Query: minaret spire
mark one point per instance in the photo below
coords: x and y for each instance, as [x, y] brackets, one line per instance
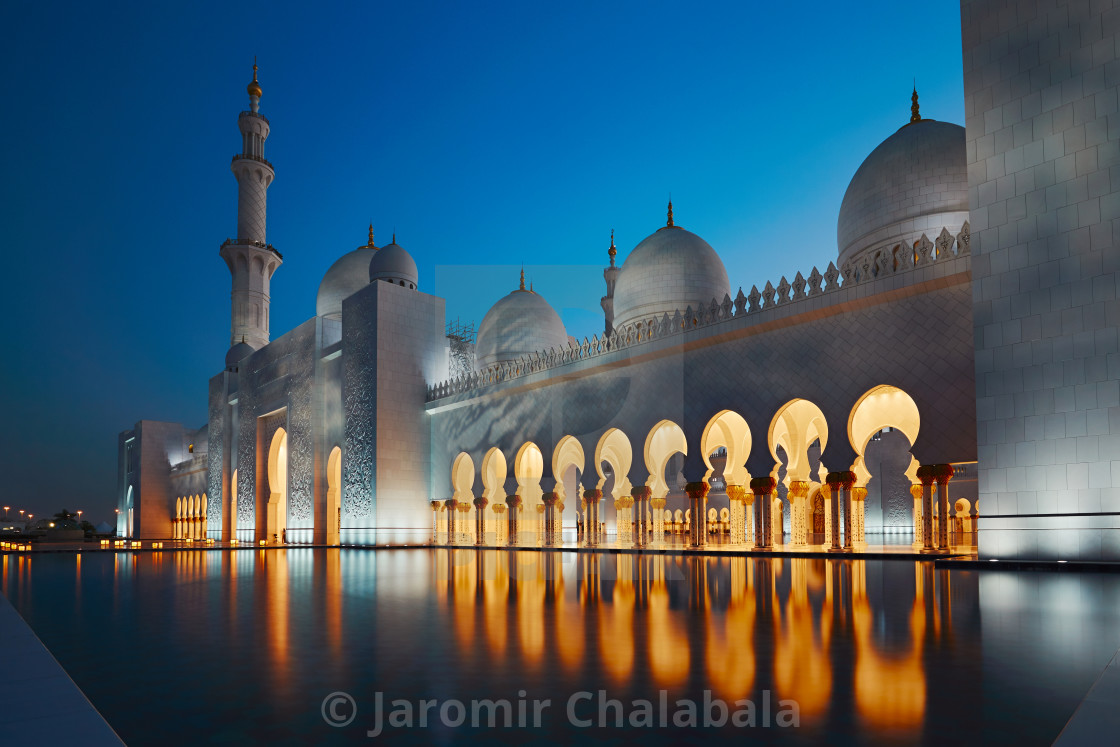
[612, 252]
[369, 243]
[669, 223]
[249, 257]
[914, 116]
[522, 278]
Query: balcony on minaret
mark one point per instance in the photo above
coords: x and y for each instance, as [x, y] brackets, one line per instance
[251, 242]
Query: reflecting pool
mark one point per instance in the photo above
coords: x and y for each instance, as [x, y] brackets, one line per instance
[226, 647]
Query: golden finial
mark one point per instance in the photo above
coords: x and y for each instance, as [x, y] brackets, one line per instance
[914, 116]
[394, 237]
[612, 251]
[530, 286]
[670, 221]
[254, 88]
[370, 242]
[522, 278]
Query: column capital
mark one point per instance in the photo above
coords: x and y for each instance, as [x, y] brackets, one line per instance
[551, 499]
[925, 474]
[513, 501]
[844, 479]
[859, 494]
[437, 505]
[697, 489]
[481, 503]
[657, 503]
[763, 485]
[498, 508]
[450, 504]
[798, 488]
[736, 492]
[942, 473]
[592, 494]
[641, 493]
[916, 491]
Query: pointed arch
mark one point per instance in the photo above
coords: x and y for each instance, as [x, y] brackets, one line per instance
[528, 469]
[880, 407]
[795, 426]
[333, 516]
[614, 449]
[462, 477]
[727, 430]
[567, 454]
[664, 440]
[494, 471]
[276, 516]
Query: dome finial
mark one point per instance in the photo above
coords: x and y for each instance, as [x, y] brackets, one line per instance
[612, 251]
[669, 223]
[914, 116]
[254, 88]
[394, 237]
[370, 242]
[522, 278]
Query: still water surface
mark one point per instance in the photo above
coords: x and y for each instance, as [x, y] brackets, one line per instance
[235, 647]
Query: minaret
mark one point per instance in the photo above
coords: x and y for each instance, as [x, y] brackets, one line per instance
[251, 260]
[611, 276]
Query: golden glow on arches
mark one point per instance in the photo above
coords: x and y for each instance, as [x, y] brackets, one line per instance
[568, 453]
[614, 449]
[882, 407]
[664, 440]
[494, 475]
[727, 430]
[802, 670]
[796, 425]
[334, 495]
[730, 646]
[528, 468]
[462, 477]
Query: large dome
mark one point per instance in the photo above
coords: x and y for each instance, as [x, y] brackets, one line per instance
[671, 269]
[348, 275]
[520, 324]
[393, 264]
[915, 182]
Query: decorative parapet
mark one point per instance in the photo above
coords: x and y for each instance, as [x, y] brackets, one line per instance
[866, 268]
[252, 242]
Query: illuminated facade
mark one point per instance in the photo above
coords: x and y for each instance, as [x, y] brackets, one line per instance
[821, 410]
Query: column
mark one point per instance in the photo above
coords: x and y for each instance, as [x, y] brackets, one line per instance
[798, 496]
[846, 484]
[591, 531]
[859, 495]
[834, 480]
[738, 496]
[925, 475]
[657, 510]
[449, 506]
[761, 487]
[943, 473]
[435, 521]
[826, 496]
[698, 502]
[480, 504]
[499, 510]
[513, 504]
[550, 533]
[641, 496]
[916, 494]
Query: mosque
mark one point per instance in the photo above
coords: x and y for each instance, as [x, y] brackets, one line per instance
[870, 396]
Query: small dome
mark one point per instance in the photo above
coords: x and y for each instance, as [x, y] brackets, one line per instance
[348, 275]
[915, 182]
[520, 324]
[670, 270]
[238, 353]
[254, 88]
[393, 264]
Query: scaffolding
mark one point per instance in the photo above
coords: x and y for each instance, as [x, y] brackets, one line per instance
[461, 337]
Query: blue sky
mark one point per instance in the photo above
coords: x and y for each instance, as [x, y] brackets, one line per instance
[486, 135]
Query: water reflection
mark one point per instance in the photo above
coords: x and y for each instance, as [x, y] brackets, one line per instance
[812, 630]
[872, 651]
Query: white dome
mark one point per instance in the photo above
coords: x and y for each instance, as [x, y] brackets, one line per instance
[671, 269]
[915, 182]
[348, 275]
[393, 264]
[520, 324]
[238, 353]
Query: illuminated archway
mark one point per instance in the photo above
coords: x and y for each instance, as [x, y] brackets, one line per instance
[568, 463]
[494, 471]
[795, 427]
[528, 469]
[879, 408]
[128, 512]
[614, 450]
[233, 506]
[664, 440]
[334, 497]
[276, 516]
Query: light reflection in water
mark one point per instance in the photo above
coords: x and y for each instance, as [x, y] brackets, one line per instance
[870, 650]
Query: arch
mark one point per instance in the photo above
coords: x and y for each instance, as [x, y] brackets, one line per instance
[796, 425]
[664, 440]
[567, 454]
[276, 516]
[334, 496]
[884, 406]
[528, 468]
[494, 471]
[727, 430]
[233, 506]
[258, 266]
[614, 449]
[462, 477]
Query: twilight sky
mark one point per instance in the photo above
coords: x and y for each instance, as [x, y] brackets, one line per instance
[486, 135]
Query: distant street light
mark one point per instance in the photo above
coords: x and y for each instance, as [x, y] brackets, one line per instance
[79, 516]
